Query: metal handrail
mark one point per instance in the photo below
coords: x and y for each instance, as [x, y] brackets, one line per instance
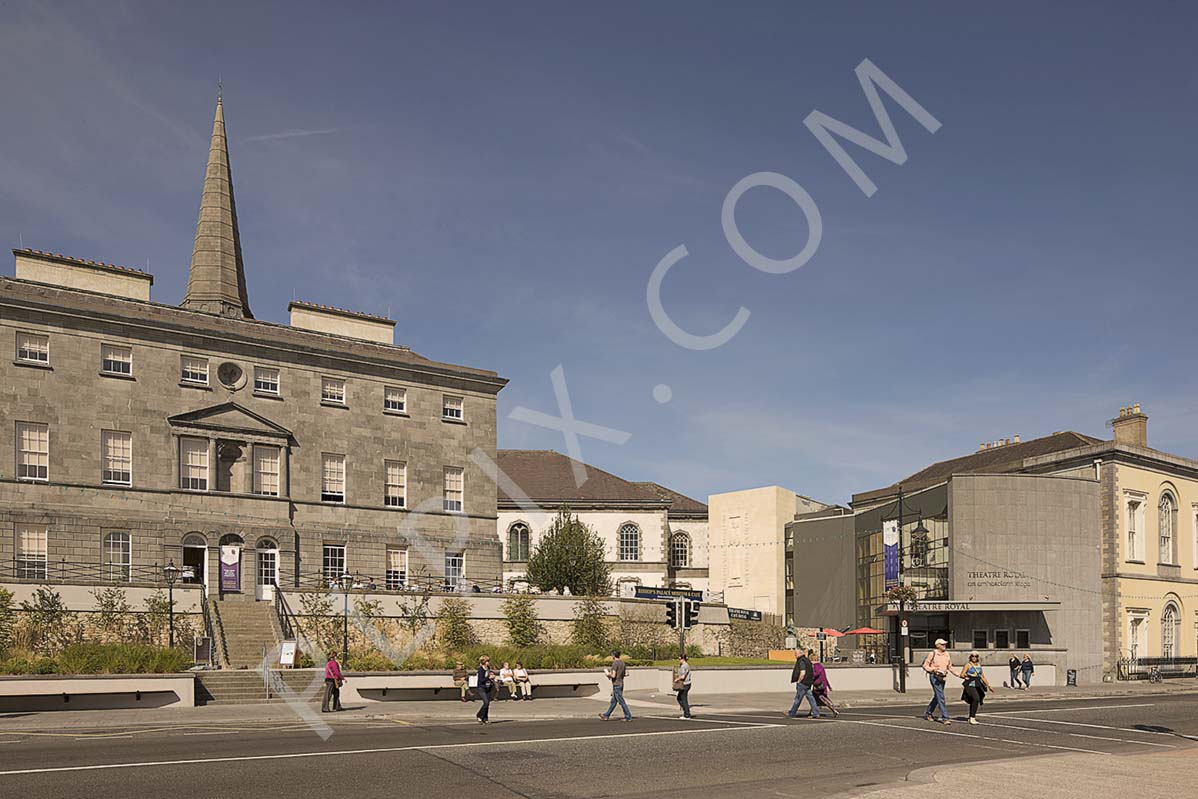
[208, 630]
[25, 568]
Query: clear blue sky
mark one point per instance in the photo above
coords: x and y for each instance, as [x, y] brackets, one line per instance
[504, 177]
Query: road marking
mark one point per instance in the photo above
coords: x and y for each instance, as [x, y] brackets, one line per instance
[969, 735]
[707, 720]
[1093, 726]
[1069, 709]
[214, 732]
[380, 750]
[1074, 734]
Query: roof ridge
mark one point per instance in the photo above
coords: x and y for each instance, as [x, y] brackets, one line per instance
[334, 308]
[81, 261]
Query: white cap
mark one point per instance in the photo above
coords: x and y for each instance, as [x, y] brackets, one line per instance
[940, 641]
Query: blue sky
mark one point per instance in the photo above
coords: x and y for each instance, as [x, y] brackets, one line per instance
[502, 179]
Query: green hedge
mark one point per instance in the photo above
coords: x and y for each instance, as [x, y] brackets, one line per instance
[102, 659]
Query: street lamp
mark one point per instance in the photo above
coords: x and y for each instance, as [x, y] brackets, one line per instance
[171, 573]
[346, 580]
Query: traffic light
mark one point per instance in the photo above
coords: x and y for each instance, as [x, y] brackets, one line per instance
[691, 614]
[672, 614]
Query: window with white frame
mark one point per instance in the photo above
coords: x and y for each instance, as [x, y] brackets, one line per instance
[1170, 631]
[1167, 525]
[33, 348]
[395, 474]
[332, 389]
[116, 455]
[629, 542]
[454, 489]
[194, 370]
[518, 541]
[33, 451]
[266, 380]
[193, 464]
[451, 407]
[1135, 527]
[396, 578]
[116, 360]
[332, 478]
[266, 470]
[31, 551]
[455, 570]
[333, 564]
[117, 557]
[680, 550]
[395, 399]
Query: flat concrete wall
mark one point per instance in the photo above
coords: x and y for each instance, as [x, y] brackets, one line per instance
[79, 597]
[95, 692]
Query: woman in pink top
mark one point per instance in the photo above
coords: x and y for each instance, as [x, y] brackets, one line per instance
[332, 684]
[822, 687]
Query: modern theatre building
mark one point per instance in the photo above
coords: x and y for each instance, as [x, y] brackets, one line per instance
[138, 433]
[1079, 550]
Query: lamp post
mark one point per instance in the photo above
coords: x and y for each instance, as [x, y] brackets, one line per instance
[347, 582]
[900, 646]
[171, 573]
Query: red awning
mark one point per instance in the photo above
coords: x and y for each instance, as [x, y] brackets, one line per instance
[831, 632]
[865, 631]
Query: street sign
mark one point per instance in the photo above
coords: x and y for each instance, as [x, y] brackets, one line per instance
[903, 630]
[652, 592]
[740, 614]
[821, 636]
[287, 654]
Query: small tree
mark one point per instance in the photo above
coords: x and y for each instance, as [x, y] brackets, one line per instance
[570, 555]
[8, 621]
[48, 621]
[153, 622]
[112, 617]
[590, 628]
[520, 616]
[453, 625]
[415, 613]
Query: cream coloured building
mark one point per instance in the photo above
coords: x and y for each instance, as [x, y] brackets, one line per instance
[654, 536]
[747, 550]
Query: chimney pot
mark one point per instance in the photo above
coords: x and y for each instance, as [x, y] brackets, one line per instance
[1137, 408]
[1016, 439]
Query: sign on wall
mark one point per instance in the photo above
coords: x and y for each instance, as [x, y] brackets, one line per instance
[230, 569]
[651, 592]
[890, 552]
[740, 614]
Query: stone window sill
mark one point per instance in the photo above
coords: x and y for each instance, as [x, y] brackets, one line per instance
[401, 414]
[32, 364]
[329, 404]
[1136, 562]
[198, 386]
[447, 420]
[270, 395]
[118, 376]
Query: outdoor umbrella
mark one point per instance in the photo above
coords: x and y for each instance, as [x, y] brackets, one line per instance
[832, 633]
[865, 631]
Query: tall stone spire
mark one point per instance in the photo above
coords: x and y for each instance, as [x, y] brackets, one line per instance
[216, 283]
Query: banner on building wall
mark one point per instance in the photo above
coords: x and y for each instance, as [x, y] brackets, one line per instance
[890, 552]
[230, 569]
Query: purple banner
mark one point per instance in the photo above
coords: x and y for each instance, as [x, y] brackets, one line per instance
[230, 569]
[890, 552]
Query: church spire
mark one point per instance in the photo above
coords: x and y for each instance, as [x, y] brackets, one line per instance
[216, 283]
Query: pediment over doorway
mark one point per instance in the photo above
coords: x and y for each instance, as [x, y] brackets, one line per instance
[231, 418]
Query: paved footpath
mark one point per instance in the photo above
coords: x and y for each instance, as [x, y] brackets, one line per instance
[557, 749]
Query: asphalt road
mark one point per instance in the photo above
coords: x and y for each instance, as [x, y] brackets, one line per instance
[714, 756]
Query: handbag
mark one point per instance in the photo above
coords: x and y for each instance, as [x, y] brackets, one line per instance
[679, 684]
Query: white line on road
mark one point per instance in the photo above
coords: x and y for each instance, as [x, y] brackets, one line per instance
[380, 750]
[711, 721]
[970, 735]
[1068, 709]
[1092, 726]
[1074, 734]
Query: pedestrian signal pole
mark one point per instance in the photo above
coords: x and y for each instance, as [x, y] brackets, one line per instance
[680, 606]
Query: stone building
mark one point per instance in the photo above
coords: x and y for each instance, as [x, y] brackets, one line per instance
[1081, 550]
[247, 451]
[654, 536]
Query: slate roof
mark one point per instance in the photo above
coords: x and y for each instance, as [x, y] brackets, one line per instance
[1007, 458]
[680, 504]
[547, 478]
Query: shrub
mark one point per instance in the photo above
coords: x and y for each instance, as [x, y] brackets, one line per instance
[48, 621]
[454, 631]
[520, 618]
[102, 659]
[8, 622]
[112, 617]
[589, 629]
[368, 660]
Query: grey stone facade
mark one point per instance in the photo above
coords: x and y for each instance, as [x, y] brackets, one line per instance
[76, 400]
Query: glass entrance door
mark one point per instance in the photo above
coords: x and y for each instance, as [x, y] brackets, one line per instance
[267, 571]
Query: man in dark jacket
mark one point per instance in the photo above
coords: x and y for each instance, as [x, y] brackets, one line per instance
[1013, 664]
[803, 676]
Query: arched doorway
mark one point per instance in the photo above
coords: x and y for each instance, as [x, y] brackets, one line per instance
[195, 559]
[231, 546]
[266, 569]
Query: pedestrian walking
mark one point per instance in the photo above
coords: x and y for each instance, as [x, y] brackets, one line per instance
[332, 685]
[1027, 669]
[976, 686]
[803, 676]
[485, 684]
[682, 685]
[821, 688]
[1014, 664]
[615, 673]
[938, 665]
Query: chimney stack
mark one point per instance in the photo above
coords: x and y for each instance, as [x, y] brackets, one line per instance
[1131, 427]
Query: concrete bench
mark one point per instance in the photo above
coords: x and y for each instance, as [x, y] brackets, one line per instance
[95, 692]
[417, 686]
